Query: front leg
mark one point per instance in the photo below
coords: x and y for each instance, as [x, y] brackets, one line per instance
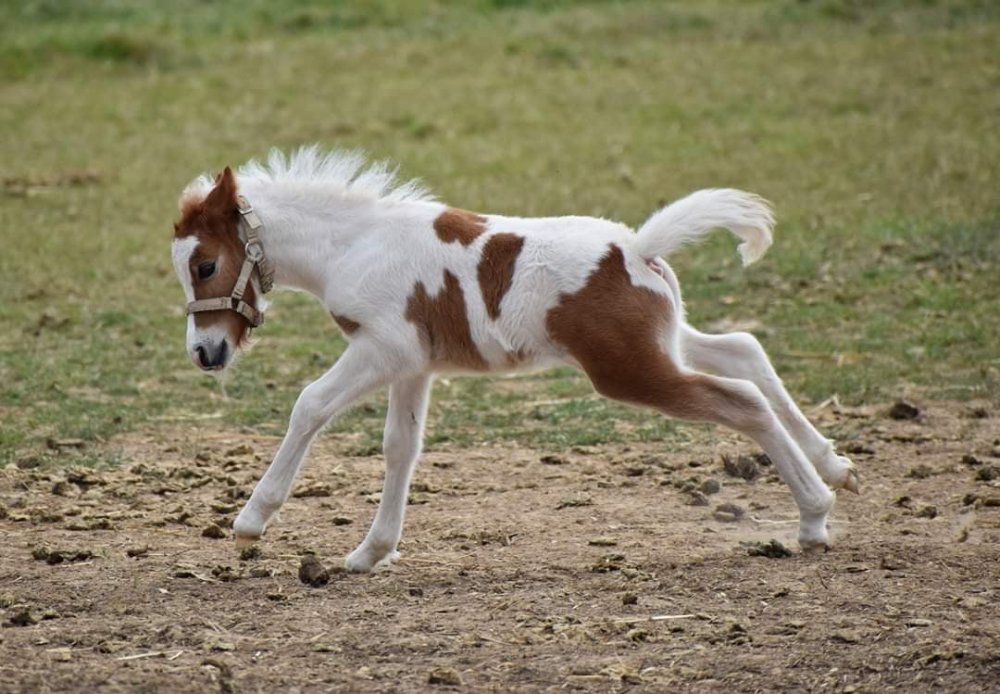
[404, 429]
[357, 373]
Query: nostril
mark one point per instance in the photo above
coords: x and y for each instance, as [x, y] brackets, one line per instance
[202, 356]
[222, 354]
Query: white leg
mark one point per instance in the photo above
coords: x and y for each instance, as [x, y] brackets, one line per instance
[404, 428]
[740, 405]
[740, 355]
[358, 372]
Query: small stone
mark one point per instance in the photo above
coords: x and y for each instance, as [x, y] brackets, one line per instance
[603, 541]
[260, 572]
[902, 410]
[137, 551]
[226, 574]
[608, 563]
[242, 449]
[891, 564]
[858, 448]
[312, 572]
[638, 635]
[630, 599]
[62, 655]
[987, 473]
[845, 636]
[316, 489]
[28, 462]
[446, 676]
[552, 460]
[63, 488]
[416, 592]
[212, 644]
[728, 513]
[920, 472]
[927, 512]
[22, 618]
[341, 520]
[696, 498]
[214, 532]
[971, 460]
[710, 486]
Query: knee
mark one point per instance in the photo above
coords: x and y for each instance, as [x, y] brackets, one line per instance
[743, 403]
[308, 414]
[746, 344]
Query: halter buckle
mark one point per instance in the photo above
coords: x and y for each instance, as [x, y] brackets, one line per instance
[254, 251]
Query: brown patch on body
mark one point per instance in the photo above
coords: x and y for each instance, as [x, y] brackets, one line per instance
[215, 220]
[496, 269]
[443, 325]
[346, 324]
[459, 225]
[614, 329]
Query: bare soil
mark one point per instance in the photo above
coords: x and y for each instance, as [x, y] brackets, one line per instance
[590, 570]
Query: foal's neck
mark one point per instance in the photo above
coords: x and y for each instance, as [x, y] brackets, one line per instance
[307, 228]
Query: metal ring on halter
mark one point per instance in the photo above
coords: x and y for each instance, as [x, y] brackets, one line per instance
[254, 251]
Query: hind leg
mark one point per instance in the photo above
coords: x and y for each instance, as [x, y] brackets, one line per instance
[737, 404]
[740, 355]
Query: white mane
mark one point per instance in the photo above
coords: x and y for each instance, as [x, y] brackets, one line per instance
[343, 172]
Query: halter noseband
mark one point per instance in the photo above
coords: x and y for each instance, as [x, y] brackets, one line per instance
[254, 257]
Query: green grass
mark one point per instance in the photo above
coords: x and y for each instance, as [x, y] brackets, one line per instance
[872, 129]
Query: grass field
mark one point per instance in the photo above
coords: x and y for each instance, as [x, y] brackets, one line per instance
[873, 131]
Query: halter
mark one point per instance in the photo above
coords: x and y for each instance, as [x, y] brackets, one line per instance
[254, 258]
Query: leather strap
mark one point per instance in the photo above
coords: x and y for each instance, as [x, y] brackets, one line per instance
[253, 258]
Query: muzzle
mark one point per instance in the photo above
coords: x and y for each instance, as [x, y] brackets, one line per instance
[253, 260]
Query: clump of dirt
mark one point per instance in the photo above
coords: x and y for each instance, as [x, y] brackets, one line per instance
[312, 572]
[771, 549]
[902, 410]
[742, 466]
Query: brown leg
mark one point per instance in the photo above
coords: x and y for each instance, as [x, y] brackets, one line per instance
[734, 403]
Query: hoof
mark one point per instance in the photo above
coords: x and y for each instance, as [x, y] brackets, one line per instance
[814, 548]
[851, 483]
[362, 561]
[848, 475]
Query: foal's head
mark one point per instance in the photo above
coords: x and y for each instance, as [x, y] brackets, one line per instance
[208, 255]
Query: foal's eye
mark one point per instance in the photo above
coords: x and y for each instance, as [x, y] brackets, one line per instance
[206, 270]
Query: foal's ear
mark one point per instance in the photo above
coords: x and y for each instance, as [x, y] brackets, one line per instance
[222, 198]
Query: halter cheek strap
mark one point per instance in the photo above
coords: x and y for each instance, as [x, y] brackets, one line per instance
[253, 258]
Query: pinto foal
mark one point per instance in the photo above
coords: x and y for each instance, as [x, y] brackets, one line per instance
[419, 288]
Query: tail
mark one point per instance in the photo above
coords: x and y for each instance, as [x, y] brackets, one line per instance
[688, 219]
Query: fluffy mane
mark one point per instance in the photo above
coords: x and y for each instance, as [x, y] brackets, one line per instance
[344, 172]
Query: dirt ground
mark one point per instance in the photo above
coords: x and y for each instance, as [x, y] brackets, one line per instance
[597, 569]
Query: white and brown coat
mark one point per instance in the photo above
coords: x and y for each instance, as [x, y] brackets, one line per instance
[420, 288]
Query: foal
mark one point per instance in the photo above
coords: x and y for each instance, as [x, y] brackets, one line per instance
[420, 288]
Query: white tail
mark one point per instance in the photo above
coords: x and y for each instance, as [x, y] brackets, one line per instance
[688, 219]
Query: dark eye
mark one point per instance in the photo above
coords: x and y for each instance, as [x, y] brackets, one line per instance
[206, 270]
